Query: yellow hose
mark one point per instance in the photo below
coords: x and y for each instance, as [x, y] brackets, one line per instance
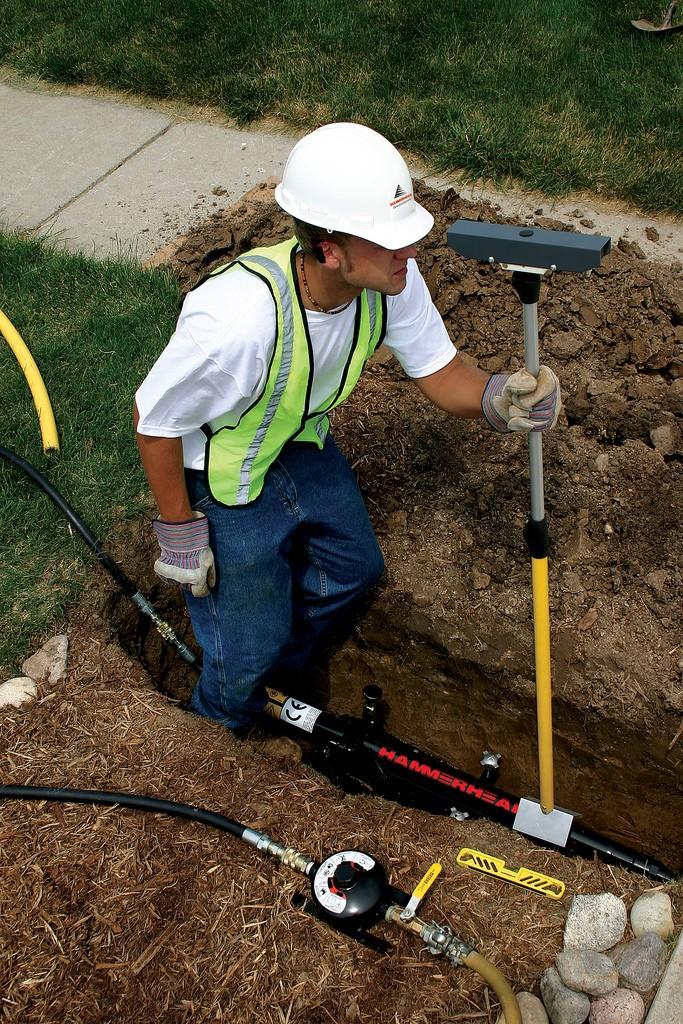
[544, 713]
[441, 939]
[41, 400]
[498, 982]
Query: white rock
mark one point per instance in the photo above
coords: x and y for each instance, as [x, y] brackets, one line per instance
[531, 1009]
[651, 912]
[595, 922]
[666, 438]
[48, 665]
[17, 691]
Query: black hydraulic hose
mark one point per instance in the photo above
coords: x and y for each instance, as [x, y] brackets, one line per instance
[131, 800]
[112, 567]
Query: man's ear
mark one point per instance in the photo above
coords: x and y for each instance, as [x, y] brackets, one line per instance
[328, 253]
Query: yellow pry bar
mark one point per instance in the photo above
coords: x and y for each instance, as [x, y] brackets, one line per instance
[553, 888]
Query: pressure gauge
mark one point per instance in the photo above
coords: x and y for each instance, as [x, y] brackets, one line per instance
[349, 884]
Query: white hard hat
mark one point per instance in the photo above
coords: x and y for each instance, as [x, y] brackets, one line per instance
[346, 177]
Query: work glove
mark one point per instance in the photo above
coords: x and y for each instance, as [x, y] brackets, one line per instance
[186, 557]
[521, 402]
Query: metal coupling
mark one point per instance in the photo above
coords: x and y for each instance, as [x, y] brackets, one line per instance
[396, 915]
[441, 940]
[287, 854]
[295, 860]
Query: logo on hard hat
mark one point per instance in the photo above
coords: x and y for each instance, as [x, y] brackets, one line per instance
[400, 196]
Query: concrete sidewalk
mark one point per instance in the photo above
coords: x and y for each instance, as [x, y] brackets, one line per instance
[108, 178]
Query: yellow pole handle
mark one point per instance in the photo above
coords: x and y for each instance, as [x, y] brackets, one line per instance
[544, 712]
[41, 400]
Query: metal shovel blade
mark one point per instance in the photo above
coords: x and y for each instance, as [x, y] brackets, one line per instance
[551, 826]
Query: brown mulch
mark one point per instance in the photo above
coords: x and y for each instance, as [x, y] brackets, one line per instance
[114, 915]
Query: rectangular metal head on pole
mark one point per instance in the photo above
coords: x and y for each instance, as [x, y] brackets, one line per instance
[527, 246]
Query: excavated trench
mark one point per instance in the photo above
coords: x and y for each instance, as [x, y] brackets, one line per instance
[620, 782]
[449, 637]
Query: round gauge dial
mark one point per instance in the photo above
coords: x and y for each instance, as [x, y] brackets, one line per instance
[349, 883]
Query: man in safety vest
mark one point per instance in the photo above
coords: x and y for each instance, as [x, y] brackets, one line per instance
[260, 517]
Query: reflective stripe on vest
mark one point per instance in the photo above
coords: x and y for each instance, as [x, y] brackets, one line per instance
[240, 452]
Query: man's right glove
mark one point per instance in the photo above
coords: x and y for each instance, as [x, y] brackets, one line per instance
[521, 402]
[186, 557]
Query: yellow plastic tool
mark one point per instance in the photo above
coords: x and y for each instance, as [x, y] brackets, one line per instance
[527, 878]
[41, 399]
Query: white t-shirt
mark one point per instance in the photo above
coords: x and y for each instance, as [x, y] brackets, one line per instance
[217, 360]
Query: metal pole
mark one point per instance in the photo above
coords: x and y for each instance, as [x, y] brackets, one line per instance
[532, 363]
[539, 582]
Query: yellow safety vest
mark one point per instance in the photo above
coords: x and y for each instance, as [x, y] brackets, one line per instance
[239, 452]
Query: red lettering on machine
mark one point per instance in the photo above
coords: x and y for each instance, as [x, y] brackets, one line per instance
[428, 771]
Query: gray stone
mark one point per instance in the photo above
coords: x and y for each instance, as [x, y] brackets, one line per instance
[563, 1005]
[620, 1007]
[640, 963]
[666, 1005]
[530, 1007]
[651, 912]
[17, 691]
[48, 665]
[586, 970]
[595, 922]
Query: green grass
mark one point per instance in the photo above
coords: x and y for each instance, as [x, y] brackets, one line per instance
[94, 329]
[560, 94]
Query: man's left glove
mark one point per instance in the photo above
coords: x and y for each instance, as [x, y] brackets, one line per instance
[186, 557]
[521, 402]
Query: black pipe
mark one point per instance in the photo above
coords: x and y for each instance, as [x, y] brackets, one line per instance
[131, 800]
[112, 567]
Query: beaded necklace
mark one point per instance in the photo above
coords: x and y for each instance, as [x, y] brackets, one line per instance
[314, 302]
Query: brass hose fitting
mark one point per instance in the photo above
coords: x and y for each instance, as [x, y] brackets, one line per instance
[287, 854]
[441, 940]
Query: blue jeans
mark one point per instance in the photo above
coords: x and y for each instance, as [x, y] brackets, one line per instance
[289, 565]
